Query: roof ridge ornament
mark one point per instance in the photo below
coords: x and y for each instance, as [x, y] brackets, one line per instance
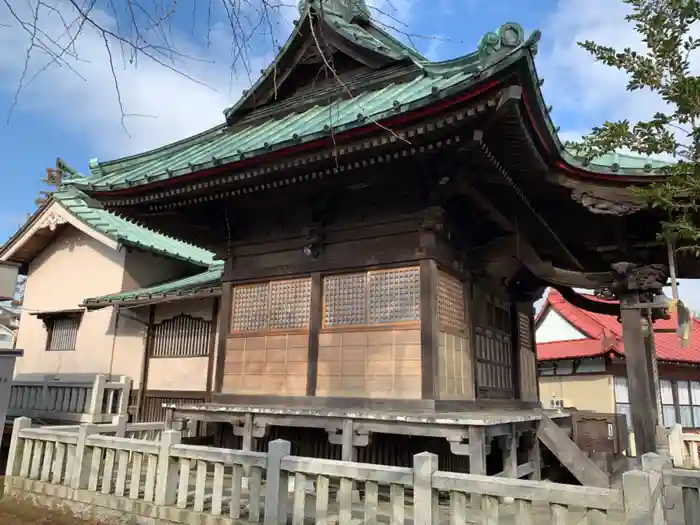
[508, 37]
[352, 11]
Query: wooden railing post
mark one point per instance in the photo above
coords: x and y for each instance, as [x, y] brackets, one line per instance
[424, 497]
[14, 455]
[80, 472]
[641, 492]
[167, 475]
[276, 489]
[96, 398]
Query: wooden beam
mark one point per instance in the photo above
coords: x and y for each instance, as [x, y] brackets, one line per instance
[639, 376]
[569, 454]
[146, 358]
[212, 346]
[428, 327]
[316, 309]
[225, 311]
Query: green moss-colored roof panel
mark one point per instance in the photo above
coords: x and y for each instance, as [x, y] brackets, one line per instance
[224, 144]
[221, 145]
[180, 288]
[127, 232]
[290, 123]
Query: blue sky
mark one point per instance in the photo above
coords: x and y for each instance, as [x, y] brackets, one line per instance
[72, 110]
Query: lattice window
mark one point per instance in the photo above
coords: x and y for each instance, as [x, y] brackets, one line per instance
[494, 351]
[290, 303]
[63, 333]
[394, 296]
[345, 299]
[181, 336]
[277, 305]
[451, 302]
[376, 297]
[250, 304]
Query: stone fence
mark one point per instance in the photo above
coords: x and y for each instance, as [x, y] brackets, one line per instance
[96, 399]
[121, 480]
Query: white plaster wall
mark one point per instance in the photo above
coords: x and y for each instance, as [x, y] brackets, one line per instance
[553, 327]
[72, 268]
[173, 373]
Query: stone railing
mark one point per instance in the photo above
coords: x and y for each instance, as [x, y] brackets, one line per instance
[684, 448]
[97, 400]
[165, 480]
[142, 431]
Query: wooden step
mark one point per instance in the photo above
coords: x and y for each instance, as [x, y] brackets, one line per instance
[570, 455]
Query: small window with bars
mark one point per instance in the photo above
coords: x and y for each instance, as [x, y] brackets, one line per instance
[181, 336]
[62, 332]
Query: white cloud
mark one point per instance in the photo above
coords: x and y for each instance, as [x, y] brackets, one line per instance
[163, 104]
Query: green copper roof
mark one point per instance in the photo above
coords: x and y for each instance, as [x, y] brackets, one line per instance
[350, 21]
[209, 281]
[127, 232]
[298, 120]
[252, 137]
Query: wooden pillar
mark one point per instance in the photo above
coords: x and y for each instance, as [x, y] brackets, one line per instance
[509, 451]
[428, 327]
[653, 368]
[211, 364]
[348, 452]
[477, 450]
[639, 375]
[515, 349]
[147, 351]
[225, 311]
[534, 455]
[315, 322]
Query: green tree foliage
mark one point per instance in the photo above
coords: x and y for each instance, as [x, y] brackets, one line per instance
[665, 69]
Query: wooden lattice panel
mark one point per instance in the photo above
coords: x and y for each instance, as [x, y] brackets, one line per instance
[494, 364]
[250, 308]
[451, 302]
[345, 299]
[290, 303]
[394, 296]
[181, 336]
[524, 334]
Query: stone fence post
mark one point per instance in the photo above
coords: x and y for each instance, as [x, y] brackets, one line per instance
[425, 511]
[276, 488]
[97, 395]
[80, 473]
[643, 492]
[14, 456]
[675, 445]
[167, 475]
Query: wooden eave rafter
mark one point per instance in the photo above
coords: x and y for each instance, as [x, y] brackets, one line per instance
[402, 141]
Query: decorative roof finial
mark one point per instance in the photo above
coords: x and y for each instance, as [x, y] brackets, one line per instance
[508, 37]
[353, 11]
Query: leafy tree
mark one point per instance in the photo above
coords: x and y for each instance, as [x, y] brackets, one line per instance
[665, 69]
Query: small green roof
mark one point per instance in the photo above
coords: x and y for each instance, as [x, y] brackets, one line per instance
[199, 284]
[127, 232]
